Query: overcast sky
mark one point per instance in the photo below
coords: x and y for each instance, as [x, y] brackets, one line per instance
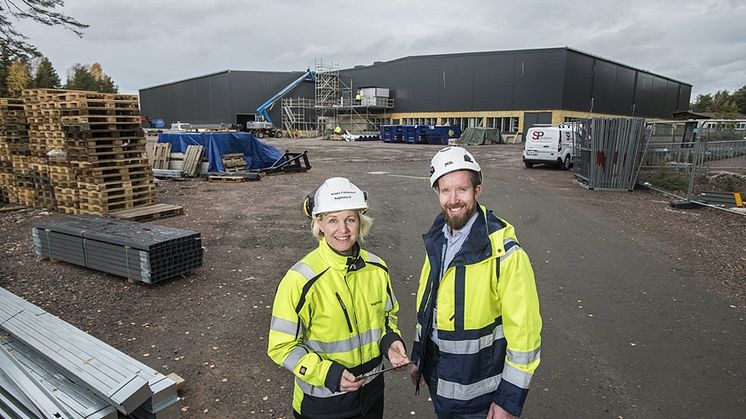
[145, 43]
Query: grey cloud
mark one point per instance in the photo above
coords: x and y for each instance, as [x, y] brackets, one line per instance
[143, 43]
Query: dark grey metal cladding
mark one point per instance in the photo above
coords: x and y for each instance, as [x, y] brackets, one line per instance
[217, 98]
[553, 78]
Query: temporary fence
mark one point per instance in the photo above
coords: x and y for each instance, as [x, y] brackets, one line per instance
[690, 162]
[607, 152]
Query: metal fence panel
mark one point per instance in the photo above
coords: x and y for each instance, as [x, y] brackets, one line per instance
[686, 162]
[607, 154]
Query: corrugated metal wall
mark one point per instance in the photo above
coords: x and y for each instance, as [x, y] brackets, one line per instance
[525, 80]
[558, 78]
[217, 98]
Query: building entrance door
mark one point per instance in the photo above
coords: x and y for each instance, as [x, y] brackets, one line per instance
[531, 119]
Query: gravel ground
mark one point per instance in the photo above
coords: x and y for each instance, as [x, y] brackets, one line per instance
[200, 325]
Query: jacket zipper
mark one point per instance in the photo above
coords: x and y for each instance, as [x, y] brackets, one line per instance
[344, 309]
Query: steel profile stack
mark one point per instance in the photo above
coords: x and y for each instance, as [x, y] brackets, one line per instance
[49, 364]
[139, 251]
[72, 399]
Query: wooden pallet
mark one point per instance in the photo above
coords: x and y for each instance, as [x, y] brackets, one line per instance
[161, 155]
[150, 212]
[192, 160]
[233, 162]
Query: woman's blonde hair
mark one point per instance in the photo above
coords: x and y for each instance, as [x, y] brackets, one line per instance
[365, 224]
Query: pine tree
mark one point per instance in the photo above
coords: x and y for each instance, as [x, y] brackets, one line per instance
[79, 78]
[46, 76]
[18, 77]
[5, 62]
[739, 96]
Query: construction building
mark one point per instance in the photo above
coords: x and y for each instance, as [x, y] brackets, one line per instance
[509, 90]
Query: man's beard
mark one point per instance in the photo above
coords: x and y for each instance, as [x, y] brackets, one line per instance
[457, 222]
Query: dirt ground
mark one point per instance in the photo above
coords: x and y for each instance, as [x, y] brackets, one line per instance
[210, 326]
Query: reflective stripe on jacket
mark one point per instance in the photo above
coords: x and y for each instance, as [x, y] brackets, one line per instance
[488, 318]
[332, 313]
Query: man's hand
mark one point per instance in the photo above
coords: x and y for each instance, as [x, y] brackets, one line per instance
[397, 354]
[349, 382]
[497, 412]
[413, 374]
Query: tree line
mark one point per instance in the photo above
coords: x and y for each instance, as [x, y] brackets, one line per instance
[19, 73]
[722, 103]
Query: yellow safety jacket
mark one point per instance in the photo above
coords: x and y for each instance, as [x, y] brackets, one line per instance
[331, 313]
[488, 323]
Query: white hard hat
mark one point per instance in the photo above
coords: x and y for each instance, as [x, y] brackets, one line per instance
[451, 159]
[335, 194]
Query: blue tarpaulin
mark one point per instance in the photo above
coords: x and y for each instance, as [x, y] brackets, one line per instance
[257, 154]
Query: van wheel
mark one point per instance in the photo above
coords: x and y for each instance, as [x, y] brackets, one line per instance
[566, 164]
[259, 134]
[529, 165]
[278, 134]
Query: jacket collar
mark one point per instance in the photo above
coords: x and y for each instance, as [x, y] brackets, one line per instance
[341, 262]
[477, 246]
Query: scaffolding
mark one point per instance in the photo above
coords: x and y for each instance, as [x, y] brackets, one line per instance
[328, 99]
[299, 117]
[335, 104]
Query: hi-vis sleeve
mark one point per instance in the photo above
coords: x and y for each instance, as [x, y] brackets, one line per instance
[391, 320]
[285, 346]
[521, 326]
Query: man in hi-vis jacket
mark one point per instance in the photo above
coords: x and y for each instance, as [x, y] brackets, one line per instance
[477, 342]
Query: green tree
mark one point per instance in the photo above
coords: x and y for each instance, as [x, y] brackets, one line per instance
[5, 62]
[46, 76]
[739, 96]
[40, 11]
[18, 78]
[702, 103]
[81, 77]
[105, 82]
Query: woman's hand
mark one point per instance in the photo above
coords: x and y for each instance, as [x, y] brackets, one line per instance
[397, 354]
[349, 382]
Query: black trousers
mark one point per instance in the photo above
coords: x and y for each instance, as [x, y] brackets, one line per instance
[376, 412]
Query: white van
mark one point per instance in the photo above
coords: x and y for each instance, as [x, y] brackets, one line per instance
[549, 145]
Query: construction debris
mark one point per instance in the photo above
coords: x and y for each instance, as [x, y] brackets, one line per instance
[151, 212]
[49, 368]
[287, 163]
[234, 177]
[137, 251]
[168, 173]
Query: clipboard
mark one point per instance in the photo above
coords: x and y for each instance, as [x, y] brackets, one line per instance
[374, 372]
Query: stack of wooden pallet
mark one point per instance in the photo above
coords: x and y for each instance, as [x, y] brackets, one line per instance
[13, 142]
[86, 153]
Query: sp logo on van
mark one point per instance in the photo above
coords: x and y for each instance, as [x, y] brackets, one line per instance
[537, 134]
